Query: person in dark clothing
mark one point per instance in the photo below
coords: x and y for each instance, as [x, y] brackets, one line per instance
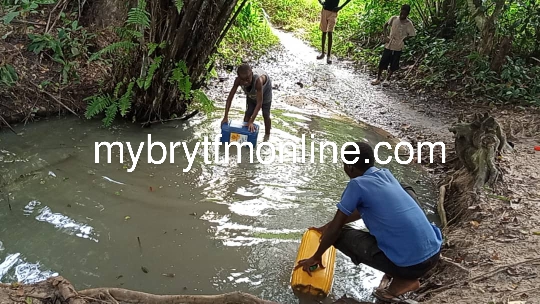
[401, 29]
[329, 13]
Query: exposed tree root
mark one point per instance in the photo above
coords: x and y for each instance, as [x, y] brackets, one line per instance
[479, 277]
[59, 290]
[478, 144]
[117, 295]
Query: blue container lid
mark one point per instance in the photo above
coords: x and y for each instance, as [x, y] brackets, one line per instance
[239, 125]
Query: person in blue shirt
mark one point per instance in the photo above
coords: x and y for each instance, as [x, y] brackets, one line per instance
[401, 241]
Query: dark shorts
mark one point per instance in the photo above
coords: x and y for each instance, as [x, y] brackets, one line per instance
[390, 58]
[362, 248]
[250, 107]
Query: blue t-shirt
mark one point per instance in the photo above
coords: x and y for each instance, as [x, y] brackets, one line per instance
[392, 216]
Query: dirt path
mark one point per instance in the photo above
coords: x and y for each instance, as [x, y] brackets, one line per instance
[504, 227]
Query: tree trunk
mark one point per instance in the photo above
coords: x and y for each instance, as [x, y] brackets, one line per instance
[477, 145]
[447, 19]
[499, 58]
[191, 36]
[105, 13]
[536, 52]
[173, 42]
[487, 35]
[486, 24]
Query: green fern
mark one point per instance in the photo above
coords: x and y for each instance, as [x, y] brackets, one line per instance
[128, 34]
[203, 101]
[110, 114]
[138, 16]
[181, 78]
[124, 103]
[152, 47]
[117, 89]
[151, 72]
[97, 105]
[110, 105]
[126, 45]
[179, 5]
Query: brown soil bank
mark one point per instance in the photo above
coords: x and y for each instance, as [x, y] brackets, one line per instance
[489, 196]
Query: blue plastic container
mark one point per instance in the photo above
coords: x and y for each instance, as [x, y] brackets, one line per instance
[238, 132]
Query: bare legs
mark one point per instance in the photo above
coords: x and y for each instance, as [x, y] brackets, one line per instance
[379, 77]
[329, 61]
[267, 125]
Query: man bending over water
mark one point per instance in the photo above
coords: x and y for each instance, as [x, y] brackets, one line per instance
[401, 242]
[257, 86]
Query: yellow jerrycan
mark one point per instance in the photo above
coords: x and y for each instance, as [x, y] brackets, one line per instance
[320, 283]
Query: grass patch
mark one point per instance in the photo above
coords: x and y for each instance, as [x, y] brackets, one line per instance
[249, 37]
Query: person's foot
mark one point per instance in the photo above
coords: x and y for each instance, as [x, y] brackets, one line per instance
[385, 296]
[329, 61]
[384, 281]
[376, 82]
[386, 83]
[395, 292]
[321, 56]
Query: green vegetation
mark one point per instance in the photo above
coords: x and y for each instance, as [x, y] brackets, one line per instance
[8, 75]
[470, 49]
[67, 44]
[250, 36]
[52, 35]
[452, 52]
[120, 102]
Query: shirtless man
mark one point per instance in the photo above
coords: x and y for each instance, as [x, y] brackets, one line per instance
[257, 86]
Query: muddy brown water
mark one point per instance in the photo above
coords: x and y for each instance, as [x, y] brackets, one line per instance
[218, 227]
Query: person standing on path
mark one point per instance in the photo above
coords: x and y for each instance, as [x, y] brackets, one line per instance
[257, 86]
[329, 13]
[401, 28]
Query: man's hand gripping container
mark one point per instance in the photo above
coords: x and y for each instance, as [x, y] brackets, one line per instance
[320, 283]
[238, 132]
